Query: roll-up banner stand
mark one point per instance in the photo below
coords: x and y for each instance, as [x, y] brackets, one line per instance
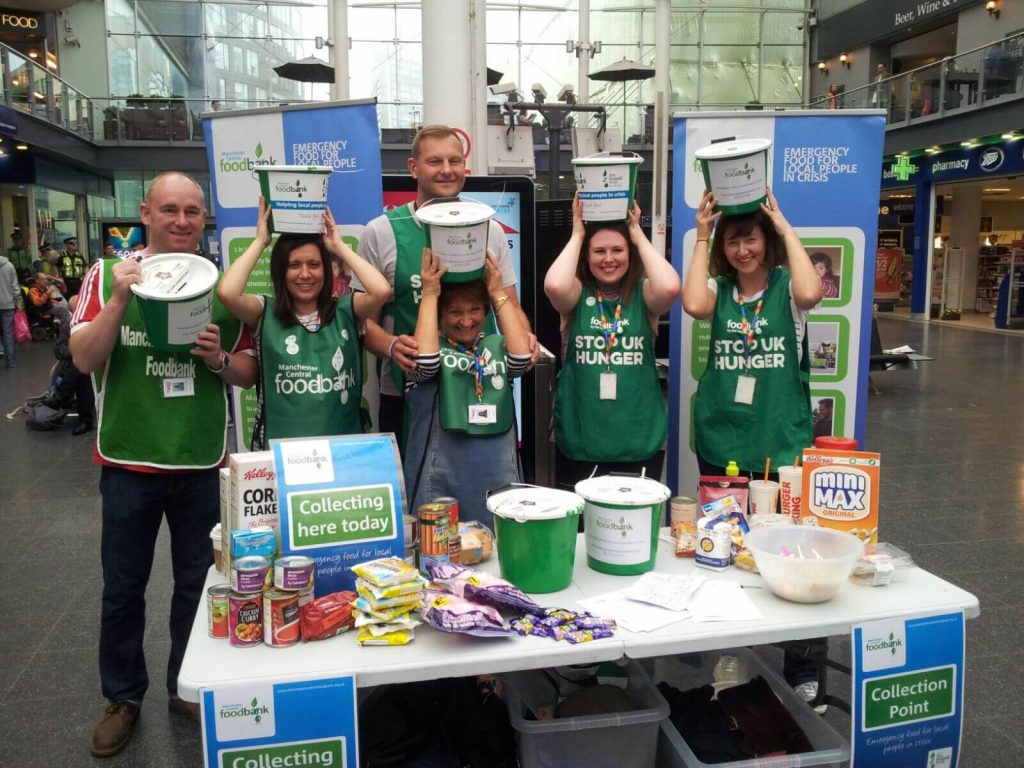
[825, 170]
[342, 135]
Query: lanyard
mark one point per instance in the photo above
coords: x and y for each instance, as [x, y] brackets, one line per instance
[609, 330]
[478, 364]
[745, 326]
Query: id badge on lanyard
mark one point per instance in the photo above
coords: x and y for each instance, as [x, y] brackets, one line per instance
[745, 383]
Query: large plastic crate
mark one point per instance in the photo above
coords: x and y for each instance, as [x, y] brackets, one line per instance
[695, 670]
[622, 740]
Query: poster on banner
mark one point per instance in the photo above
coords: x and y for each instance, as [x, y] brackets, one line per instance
[266, 724]
[824, 169]
[340, 501]
[908, 692]
[342, 135]
[888, 266]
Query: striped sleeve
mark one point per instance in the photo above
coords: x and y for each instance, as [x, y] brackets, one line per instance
[517, 364]
[427, 368]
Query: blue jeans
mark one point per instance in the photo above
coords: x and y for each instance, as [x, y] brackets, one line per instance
[134, 505]
[7, 331]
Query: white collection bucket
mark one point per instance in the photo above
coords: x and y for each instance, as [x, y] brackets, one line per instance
[296, 194]
[606, 183]
[457, 235]
[621, 521]
[736, 170]
[175, 298]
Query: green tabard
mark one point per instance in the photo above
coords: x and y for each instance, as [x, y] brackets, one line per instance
[458, 388]
[410, 240]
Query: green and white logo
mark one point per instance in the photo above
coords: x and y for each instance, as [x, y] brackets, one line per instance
[253, 710]
[909, 698]
[341, 516]
[325, 753]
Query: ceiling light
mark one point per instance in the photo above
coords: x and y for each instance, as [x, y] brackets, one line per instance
[22, 147]
[996, 190]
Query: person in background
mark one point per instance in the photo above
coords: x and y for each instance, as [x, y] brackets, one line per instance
[10, 301]
[72, 265]
[108, 251]
[609, 286]
[46, 297]
[823, 267]
[161, 439]
[303, 325]
[881, 90]
[462, 437]
[756, 284]
[833, 96]
[19, 255]
[48, 264]
[393, 243]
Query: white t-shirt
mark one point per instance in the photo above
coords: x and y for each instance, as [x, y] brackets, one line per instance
[799, 315]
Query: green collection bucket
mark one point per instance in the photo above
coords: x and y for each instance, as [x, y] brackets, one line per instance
[296, 194]
[621, 520]
[606, 183]
[536, 531]
[736, 170]
[457, 234]
[175, 299]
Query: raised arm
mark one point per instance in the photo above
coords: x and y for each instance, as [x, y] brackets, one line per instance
[515, 331]
[661, 289]
[91, 343]
[231, 289]
[698, 299]
[367, 305]
[560, 283]
[431, 272]
[804, 281]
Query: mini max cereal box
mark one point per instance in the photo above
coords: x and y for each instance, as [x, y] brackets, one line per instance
[840, 490]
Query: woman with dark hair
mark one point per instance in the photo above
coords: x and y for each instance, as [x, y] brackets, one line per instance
[823, 267]
[609, 286]
[756, 285]
[307, 342]
[462, 436]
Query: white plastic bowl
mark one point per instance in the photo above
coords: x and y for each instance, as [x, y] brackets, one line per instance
[819, 560]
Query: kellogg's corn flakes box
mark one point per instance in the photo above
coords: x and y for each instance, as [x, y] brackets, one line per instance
[840, 490]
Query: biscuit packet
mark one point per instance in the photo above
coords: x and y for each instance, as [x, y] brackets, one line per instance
[714, 487]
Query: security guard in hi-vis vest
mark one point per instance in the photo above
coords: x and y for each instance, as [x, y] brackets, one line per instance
[462, 437]
[73, 265]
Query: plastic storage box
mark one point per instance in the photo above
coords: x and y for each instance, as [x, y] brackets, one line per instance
[621, 740]
[695, 670]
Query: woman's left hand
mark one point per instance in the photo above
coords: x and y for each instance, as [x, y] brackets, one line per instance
[771, 210]
[208, 347]
[633, 219]
[492, 276]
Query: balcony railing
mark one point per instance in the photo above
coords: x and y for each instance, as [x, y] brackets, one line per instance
[30, 87]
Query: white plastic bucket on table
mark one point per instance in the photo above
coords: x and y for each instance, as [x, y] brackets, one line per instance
[457, 235]
[621, 520]
[736, 170]
[296, 194]
[175, 298]
[606, 183]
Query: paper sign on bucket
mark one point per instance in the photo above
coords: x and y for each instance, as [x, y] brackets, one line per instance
[296, 194]
[606, 183]
[175, 298]
[457, 235]
[736, 170]
[621, 521]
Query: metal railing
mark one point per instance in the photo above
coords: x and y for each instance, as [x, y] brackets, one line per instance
[30, 87]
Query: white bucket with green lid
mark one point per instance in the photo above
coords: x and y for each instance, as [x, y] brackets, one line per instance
[536, 532]
[736, 170]
[296, 194]
[175, 298]
[606, 183]
[457, 235]
[621, 519]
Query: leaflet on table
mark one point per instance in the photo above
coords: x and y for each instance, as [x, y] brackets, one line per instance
[341, 501]
[908, 692]
[309, 722]
[840, 490]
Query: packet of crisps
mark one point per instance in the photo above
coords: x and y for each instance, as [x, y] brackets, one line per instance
[480, 587]
[386, 571]
[449, 613]
[398, 637]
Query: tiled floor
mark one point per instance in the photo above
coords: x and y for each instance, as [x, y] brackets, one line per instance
[952, 495]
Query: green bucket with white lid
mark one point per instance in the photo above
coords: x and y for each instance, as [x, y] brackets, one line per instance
[296, 195]
[456, 233]
[606, 183]
[736, 171]
[621, 519]
[175, 298]
[536, 532]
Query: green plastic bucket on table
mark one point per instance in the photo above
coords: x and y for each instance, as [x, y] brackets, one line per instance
[536, 531]
[296, 194]
[736, 170]
[621, 520]
[175, 298]
[457, 234]
[606, 183]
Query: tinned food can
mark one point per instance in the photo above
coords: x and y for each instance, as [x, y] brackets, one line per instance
[217, 610]
[454, 540]
[280, 618]
[293, 573]
[245, 620]
[434, 532]
[249, 574]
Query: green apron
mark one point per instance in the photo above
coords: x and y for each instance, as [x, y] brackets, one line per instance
[410, 240]
[458, 387]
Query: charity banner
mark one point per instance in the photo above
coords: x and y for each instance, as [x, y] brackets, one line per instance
[340, 501]
[824, 169]
[908, 692]
[342, 135]
[266, 724]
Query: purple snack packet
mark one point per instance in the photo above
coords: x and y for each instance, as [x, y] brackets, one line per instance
[593, 622]
[449, 613]
[481, 587]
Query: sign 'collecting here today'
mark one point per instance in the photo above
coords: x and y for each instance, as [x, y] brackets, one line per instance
[341, 501]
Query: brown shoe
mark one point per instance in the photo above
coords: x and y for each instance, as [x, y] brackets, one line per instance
[114, 729]
[188, 708]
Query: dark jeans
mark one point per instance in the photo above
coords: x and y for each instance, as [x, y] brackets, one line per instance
[391, 417]
[134, 505]
[7, 334]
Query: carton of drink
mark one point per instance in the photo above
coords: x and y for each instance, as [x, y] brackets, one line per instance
[840, 490]
[252, 496]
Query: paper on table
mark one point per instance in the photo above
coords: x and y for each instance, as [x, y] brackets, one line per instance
[629, 614]
[906, 349]
[723, 601]
[672, 591]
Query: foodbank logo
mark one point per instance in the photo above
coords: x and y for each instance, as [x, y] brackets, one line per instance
[297, 187]
[890, 644]
[467, 240]
[239, 161]
[740, 173]
[253, 710]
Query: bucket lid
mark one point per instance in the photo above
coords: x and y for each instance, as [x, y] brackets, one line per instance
[175, 277]
[622, 489]
[293, 168]
[725, 150]
[608, 158]
[454, 213]
[530, 502]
